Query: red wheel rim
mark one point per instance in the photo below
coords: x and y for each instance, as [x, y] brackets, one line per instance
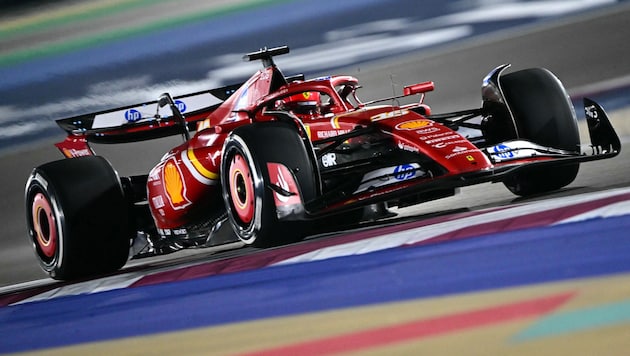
[44, 225]
[241, 188]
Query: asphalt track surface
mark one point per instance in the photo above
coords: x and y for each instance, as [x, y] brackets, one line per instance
[588, 49]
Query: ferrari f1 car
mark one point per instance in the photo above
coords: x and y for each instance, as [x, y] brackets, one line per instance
[277, 155]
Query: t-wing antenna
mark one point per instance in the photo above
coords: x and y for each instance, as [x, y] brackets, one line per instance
[266, 55]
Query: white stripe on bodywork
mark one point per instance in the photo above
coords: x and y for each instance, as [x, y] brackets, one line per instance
[195, 173]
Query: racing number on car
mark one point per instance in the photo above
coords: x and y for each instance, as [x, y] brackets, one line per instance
[389, 115]
[591, 111]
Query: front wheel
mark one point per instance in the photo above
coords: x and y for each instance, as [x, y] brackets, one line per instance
[78, 218]
[246, 178]
[544, 115]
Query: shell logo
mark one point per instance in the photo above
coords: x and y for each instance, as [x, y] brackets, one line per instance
[413, 124]
[175, 187]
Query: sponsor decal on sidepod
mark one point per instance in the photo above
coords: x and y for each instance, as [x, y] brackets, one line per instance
[389, 175]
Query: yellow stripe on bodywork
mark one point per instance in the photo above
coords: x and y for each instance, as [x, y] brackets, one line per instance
[308, 131]
[199, 167]
[199, 172]
[334, 122]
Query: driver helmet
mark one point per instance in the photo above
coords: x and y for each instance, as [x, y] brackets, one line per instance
[306, 103]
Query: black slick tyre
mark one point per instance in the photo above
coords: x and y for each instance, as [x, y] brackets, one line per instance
[78, 219]
[544, 115]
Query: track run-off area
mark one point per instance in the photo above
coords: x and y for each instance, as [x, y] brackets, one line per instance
[480, 273]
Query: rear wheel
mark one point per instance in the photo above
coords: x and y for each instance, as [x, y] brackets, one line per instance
[78, 218]
[544, 115]
[245, 181]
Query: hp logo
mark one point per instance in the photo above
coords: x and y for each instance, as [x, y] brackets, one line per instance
[181, 106]
[404, 171]
[132, 115]
[503, 151]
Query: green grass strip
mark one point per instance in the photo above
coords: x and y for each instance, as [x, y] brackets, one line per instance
[98, 39]
[65, 17]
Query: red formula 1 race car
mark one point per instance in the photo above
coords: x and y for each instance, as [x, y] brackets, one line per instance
[276, 154]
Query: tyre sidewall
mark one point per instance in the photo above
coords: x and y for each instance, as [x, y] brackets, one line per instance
[36, 184]
[246, 231]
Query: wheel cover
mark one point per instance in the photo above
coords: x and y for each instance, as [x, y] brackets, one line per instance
[241, 186]
[44, 226]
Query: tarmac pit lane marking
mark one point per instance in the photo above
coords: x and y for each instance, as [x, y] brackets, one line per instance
[424, 328]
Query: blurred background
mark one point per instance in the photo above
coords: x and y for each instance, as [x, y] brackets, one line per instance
[64, 58]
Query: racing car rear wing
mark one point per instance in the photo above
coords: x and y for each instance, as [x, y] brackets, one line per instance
[145, 121]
